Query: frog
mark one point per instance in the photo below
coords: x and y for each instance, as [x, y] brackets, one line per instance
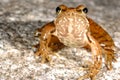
[73, 28]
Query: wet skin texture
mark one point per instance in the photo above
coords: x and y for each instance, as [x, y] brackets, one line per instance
[73, 28]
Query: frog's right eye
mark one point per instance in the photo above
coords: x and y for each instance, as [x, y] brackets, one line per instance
[58, 9]
[61, 8]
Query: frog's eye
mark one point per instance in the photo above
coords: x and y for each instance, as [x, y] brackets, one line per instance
[58, 9]
[85, 10]
[82, 9]
[61, 8]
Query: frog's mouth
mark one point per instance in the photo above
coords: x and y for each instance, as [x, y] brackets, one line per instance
[71, 29]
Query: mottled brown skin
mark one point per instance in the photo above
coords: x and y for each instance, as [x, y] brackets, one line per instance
[53, 38]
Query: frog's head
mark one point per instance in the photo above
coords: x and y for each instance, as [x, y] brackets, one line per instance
[71, 22]
[71, 17]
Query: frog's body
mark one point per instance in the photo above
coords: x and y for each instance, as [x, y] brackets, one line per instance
[73, 28]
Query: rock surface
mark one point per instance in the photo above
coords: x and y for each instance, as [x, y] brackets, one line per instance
[20, 18]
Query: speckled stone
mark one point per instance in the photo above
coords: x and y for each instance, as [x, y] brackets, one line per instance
[20, 18]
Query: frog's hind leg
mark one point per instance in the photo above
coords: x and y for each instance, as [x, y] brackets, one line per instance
[108, 49]
[109, 54]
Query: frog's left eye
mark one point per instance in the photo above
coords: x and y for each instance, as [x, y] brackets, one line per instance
[58, 9]
[85, 10]
[82, 9]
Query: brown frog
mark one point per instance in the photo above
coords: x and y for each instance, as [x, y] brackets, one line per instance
[73, 28]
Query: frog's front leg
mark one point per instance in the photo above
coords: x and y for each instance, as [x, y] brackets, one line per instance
[96, 56]
[43, 51]
[45, 38]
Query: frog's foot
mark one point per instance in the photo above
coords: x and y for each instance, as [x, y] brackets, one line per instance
[45, 55]
[86, 76]
[90, 74]
[91, 71]
[109, 58]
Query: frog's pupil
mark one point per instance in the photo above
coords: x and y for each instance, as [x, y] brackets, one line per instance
[85, 10]
[58, 9]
